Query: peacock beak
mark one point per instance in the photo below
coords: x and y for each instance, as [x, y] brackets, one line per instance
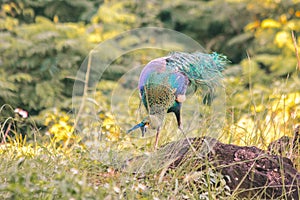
[144, 129]
[141, 125]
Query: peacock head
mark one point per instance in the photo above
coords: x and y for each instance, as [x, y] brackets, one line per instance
[151, 121]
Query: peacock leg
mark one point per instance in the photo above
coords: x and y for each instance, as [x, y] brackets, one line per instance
[156, 138]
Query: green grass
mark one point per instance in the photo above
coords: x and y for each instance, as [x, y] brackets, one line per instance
[44, 168]
[75, 175]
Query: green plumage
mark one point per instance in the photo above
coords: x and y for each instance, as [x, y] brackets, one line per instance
[164, 83]
[158, 98]
[200, 68]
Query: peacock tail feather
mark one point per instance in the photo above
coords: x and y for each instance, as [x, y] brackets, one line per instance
[200, 68]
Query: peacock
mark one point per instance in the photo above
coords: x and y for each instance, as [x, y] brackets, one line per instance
[165, 83]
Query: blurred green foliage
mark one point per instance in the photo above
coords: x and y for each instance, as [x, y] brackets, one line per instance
[37, 60]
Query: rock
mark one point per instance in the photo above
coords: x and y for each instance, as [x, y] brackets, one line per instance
[287, 147]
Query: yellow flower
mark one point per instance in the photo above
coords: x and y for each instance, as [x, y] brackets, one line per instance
[252, 25]
[60, 126]
[282, 38]
[6, 8]
[270, 23]
[283, 19]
